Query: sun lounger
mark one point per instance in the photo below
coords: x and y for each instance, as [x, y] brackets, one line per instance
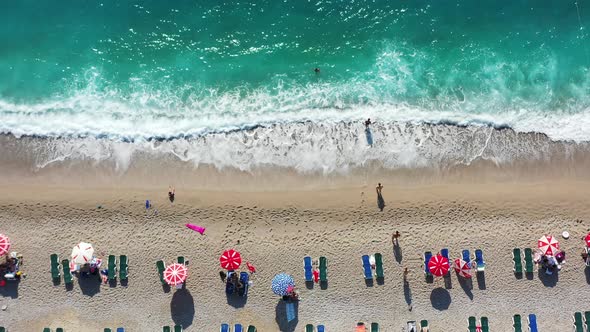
[54, 267]
[224, 328]
[479, 262]
[427, 257]
[180, 260]
[119, 329]
[411, 326]
[244, 277]
[424, 326]
[161, 267]
[251, 328]
[307, 269]
[123, 267]
[166, 329]
[308, 328]
[59, 329]
[46, 329]
[2, 329]
[290, 311]
[472, 324]
[517, 258]
[321, 328]
[485, 327]
[107, 329]
[68, 279]
[528, 260]
[466, 257]
[229, 287]
[379, 266]
[323, 269]
[238, 328]
[367, 267]
[112, 267]
[578, 323]
[374, 327]
[587, 319]
[445, 253]
[177, 328]
[360, 327]
[533, 323]
[517, 323]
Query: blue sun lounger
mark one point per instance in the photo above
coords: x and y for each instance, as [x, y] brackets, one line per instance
[321, 328]
[533, 323]
[367, 267]
[244, 277]
[445, 253]
[479, 262]
[120, 329]
[307, 269]
[427, 257]
[466, 257]
[224, 328]
[238, 328]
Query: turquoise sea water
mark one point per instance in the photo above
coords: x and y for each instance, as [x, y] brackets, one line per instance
[136, 70]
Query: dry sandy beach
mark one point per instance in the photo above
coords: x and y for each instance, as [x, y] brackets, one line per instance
[277, 219]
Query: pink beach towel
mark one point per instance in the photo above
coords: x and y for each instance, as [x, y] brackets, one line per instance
[196, 228]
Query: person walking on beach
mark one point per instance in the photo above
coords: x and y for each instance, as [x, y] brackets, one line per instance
[395, 238]
[368, 123]
[380, 200]
[171, 192]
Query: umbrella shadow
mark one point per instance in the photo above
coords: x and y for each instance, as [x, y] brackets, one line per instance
[587, 271]
[10, 289]
[481, 280]
[236, 301]
[182, 308]
[466, 285]
[448, 281]
[282, 315]
[397, 253]
[407, 293]
[440, 299]
[549, 280]
[90, 284]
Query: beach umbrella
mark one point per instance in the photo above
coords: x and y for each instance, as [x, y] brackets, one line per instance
[82, 253]
[175, 274]
[4, 244]
[462, 268]
[438, 265]
[230, 260]
[587, 240]
[282, 284]
[548, 245]
[196, 228]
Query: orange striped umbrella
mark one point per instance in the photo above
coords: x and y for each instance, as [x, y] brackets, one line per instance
[175, 274]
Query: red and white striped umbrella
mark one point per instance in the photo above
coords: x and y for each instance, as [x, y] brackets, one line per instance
[587, 240]
[4, 244]
[462, 268]
[175, 274]
[548, 245]
[230, 260]
[438, 265]
[82, 253]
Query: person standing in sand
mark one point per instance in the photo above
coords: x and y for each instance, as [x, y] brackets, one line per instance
[171, 193]
[395, 238]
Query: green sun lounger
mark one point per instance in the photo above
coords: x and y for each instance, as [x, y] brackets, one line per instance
[323, 269]
[161, 267]
[374, 327]
[578, 322]
[528, 260]
[177, 328]
[2, 329]
[517, 323]
[68, 279]
[107, 330]
[46, 329]
[112, 267]
[485, 325]
[123, 267]
[587, 318]
[180, 259]
[251, 328]
[424, 325]
[54, 267]
[59, 329]
[378, 266]
[166, 329]
[472, 324]
[517, 258]
[308, 328]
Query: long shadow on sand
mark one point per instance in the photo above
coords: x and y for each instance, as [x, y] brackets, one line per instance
[10, 289]
[397, 253]
[440, 299]
[481, 280]
[182, 308]
[90, 284]
[380, 202]
[408, 293]
[548, 280]
[236, 301]
[282, 317]
[466, 285]
[587, 271]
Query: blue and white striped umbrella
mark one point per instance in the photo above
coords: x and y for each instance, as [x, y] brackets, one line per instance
[281, 283]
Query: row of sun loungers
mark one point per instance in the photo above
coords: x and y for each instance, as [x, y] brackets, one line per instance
[59, 329]
[119, 329]
[308, 269]
[517, 323]
[309, 328]
[367, 269]
[528, 260]
[483, 327]
[361, 327]
[67, 274]
[581, 320]
[478, 261]
[237, 328]
[411, 326]
[161, 267]
[176, 328]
